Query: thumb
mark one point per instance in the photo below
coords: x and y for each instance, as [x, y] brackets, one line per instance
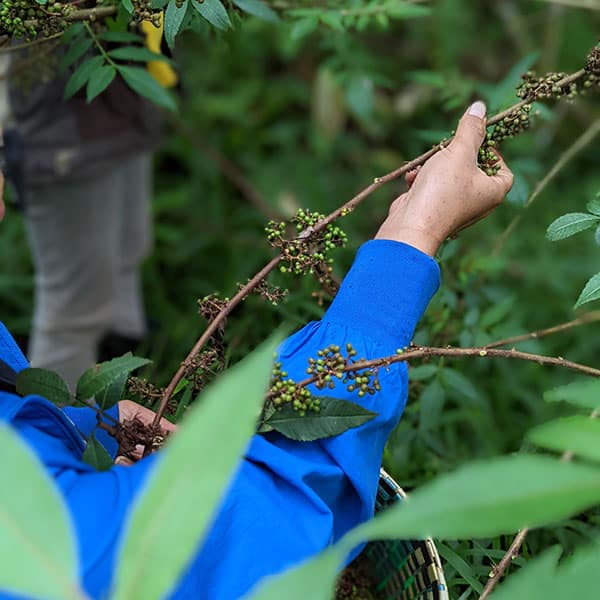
[471, 130]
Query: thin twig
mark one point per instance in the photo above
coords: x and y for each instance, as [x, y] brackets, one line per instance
[17, 47]
[453, 352]
[582, 320]
[580, 143]
[342, 210]
[499, 570]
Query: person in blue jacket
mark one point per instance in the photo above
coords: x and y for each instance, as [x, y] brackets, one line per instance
[312, 492]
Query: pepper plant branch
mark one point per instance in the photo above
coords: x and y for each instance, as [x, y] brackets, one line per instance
[322, 224]
[513, 551]
[453, 352]
[582, 320]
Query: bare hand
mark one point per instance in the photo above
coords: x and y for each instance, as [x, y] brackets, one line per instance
[129, 410]
[449, 192]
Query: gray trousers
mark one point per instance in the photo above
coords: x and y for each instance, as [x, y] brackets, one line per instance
[88, 239]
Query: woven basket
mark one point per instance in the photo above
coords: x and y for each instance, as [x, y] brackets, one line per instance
[401, 569]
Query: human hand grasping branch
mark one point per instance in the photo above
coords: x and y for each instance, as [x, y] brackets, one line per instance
[449, 192]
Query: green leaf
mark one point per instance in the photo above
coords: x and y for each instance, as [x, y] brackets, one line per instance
[593, 206]
[578, 434]
[575, 573]
[136, 53]
[597, 236]
[96, 455]
[38, 552]
[405, 10]
[174, 16]
[41, 382]
[214, 12]
[304, 27]
[502, 93]
[101, 78]
[421, 372]
[75, 52]
[462, 567]
[120, 37]
[590, 292]
[360, 96]
[111, 394]
[431, 405]
[140, 81]
[332, 19]
[128, 6]
[487, 498]
[72, 31]
[258, 9]
[570, 224]
[82, 74]
[158, 546]
[460, 384]
[334, 417]
[100, 376]
[585, 392]
[315, 579]
[533, 581]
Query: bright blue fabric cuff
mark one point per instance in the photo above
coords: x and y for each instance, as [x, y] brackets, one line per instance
[386, 292]
[85, 421]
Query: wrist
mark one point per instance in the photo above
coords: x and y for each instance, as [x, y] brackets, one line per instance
[417, 238]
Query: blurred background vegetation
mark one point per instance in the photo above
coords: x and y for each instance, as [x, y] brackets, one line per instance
[304, 113]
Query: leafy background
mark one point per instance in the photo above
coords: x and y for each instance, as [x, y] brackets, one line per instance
[311, 109]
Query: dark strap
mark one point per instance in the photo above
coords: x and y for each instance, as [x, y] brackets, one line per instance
[8, 378]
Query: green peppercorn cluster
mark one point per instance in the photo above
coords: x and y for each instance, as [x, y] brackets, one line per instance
[283, 390]
[545, 87]
[302, 254]
[27, 19]
[143, 11]
[329, 365]
[511, 125]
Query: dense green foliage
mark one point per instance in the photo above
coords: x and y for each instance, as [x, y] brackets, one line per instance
[310, 110]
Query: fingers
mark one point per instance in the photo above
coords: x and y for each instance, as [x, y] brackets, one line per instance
[470, 132]
[123, 461]
[411, 176]
[504, 177]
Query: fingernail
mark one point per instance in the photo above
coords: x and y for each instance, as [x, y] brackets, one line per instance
[477, 109]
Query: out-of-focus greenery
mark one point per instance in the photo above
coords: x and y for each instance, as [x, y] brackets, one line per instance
[310, 117]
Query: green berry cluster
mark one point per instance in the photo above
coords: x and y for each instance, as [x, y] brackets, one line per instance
[511, 125]
[283, 390]
[143, 11]
[302, 254]
[28, 19]
[592, 67]
[545, 87]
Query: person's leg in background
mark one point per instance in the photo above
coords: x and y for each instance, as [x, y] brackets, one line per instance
[88, 239]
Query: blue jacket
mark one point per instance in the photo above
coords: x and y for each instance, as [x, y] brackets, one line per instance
[290, 499]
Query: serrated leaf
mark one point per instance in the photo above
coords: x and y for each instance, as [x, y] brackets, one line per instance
[44, 383]
[214, 12]
[577, 434]
[258, 9]
[100, 79]
[75, 52]
[157, 546]
[96, 455]
[38, 551]
[136, 53]
[334, 417]
[593, 206]
[100, 376]
[111, 394]
[584, 393]
[527, 491]
[82, 74]
[570, 224]
[590, 292]
[120, 37]
[128, 6]
[140, 81]
[174, 16]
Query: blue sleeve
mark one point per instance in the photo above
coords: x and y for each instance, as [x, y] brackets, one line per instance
[85, 419]
[288, 499]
